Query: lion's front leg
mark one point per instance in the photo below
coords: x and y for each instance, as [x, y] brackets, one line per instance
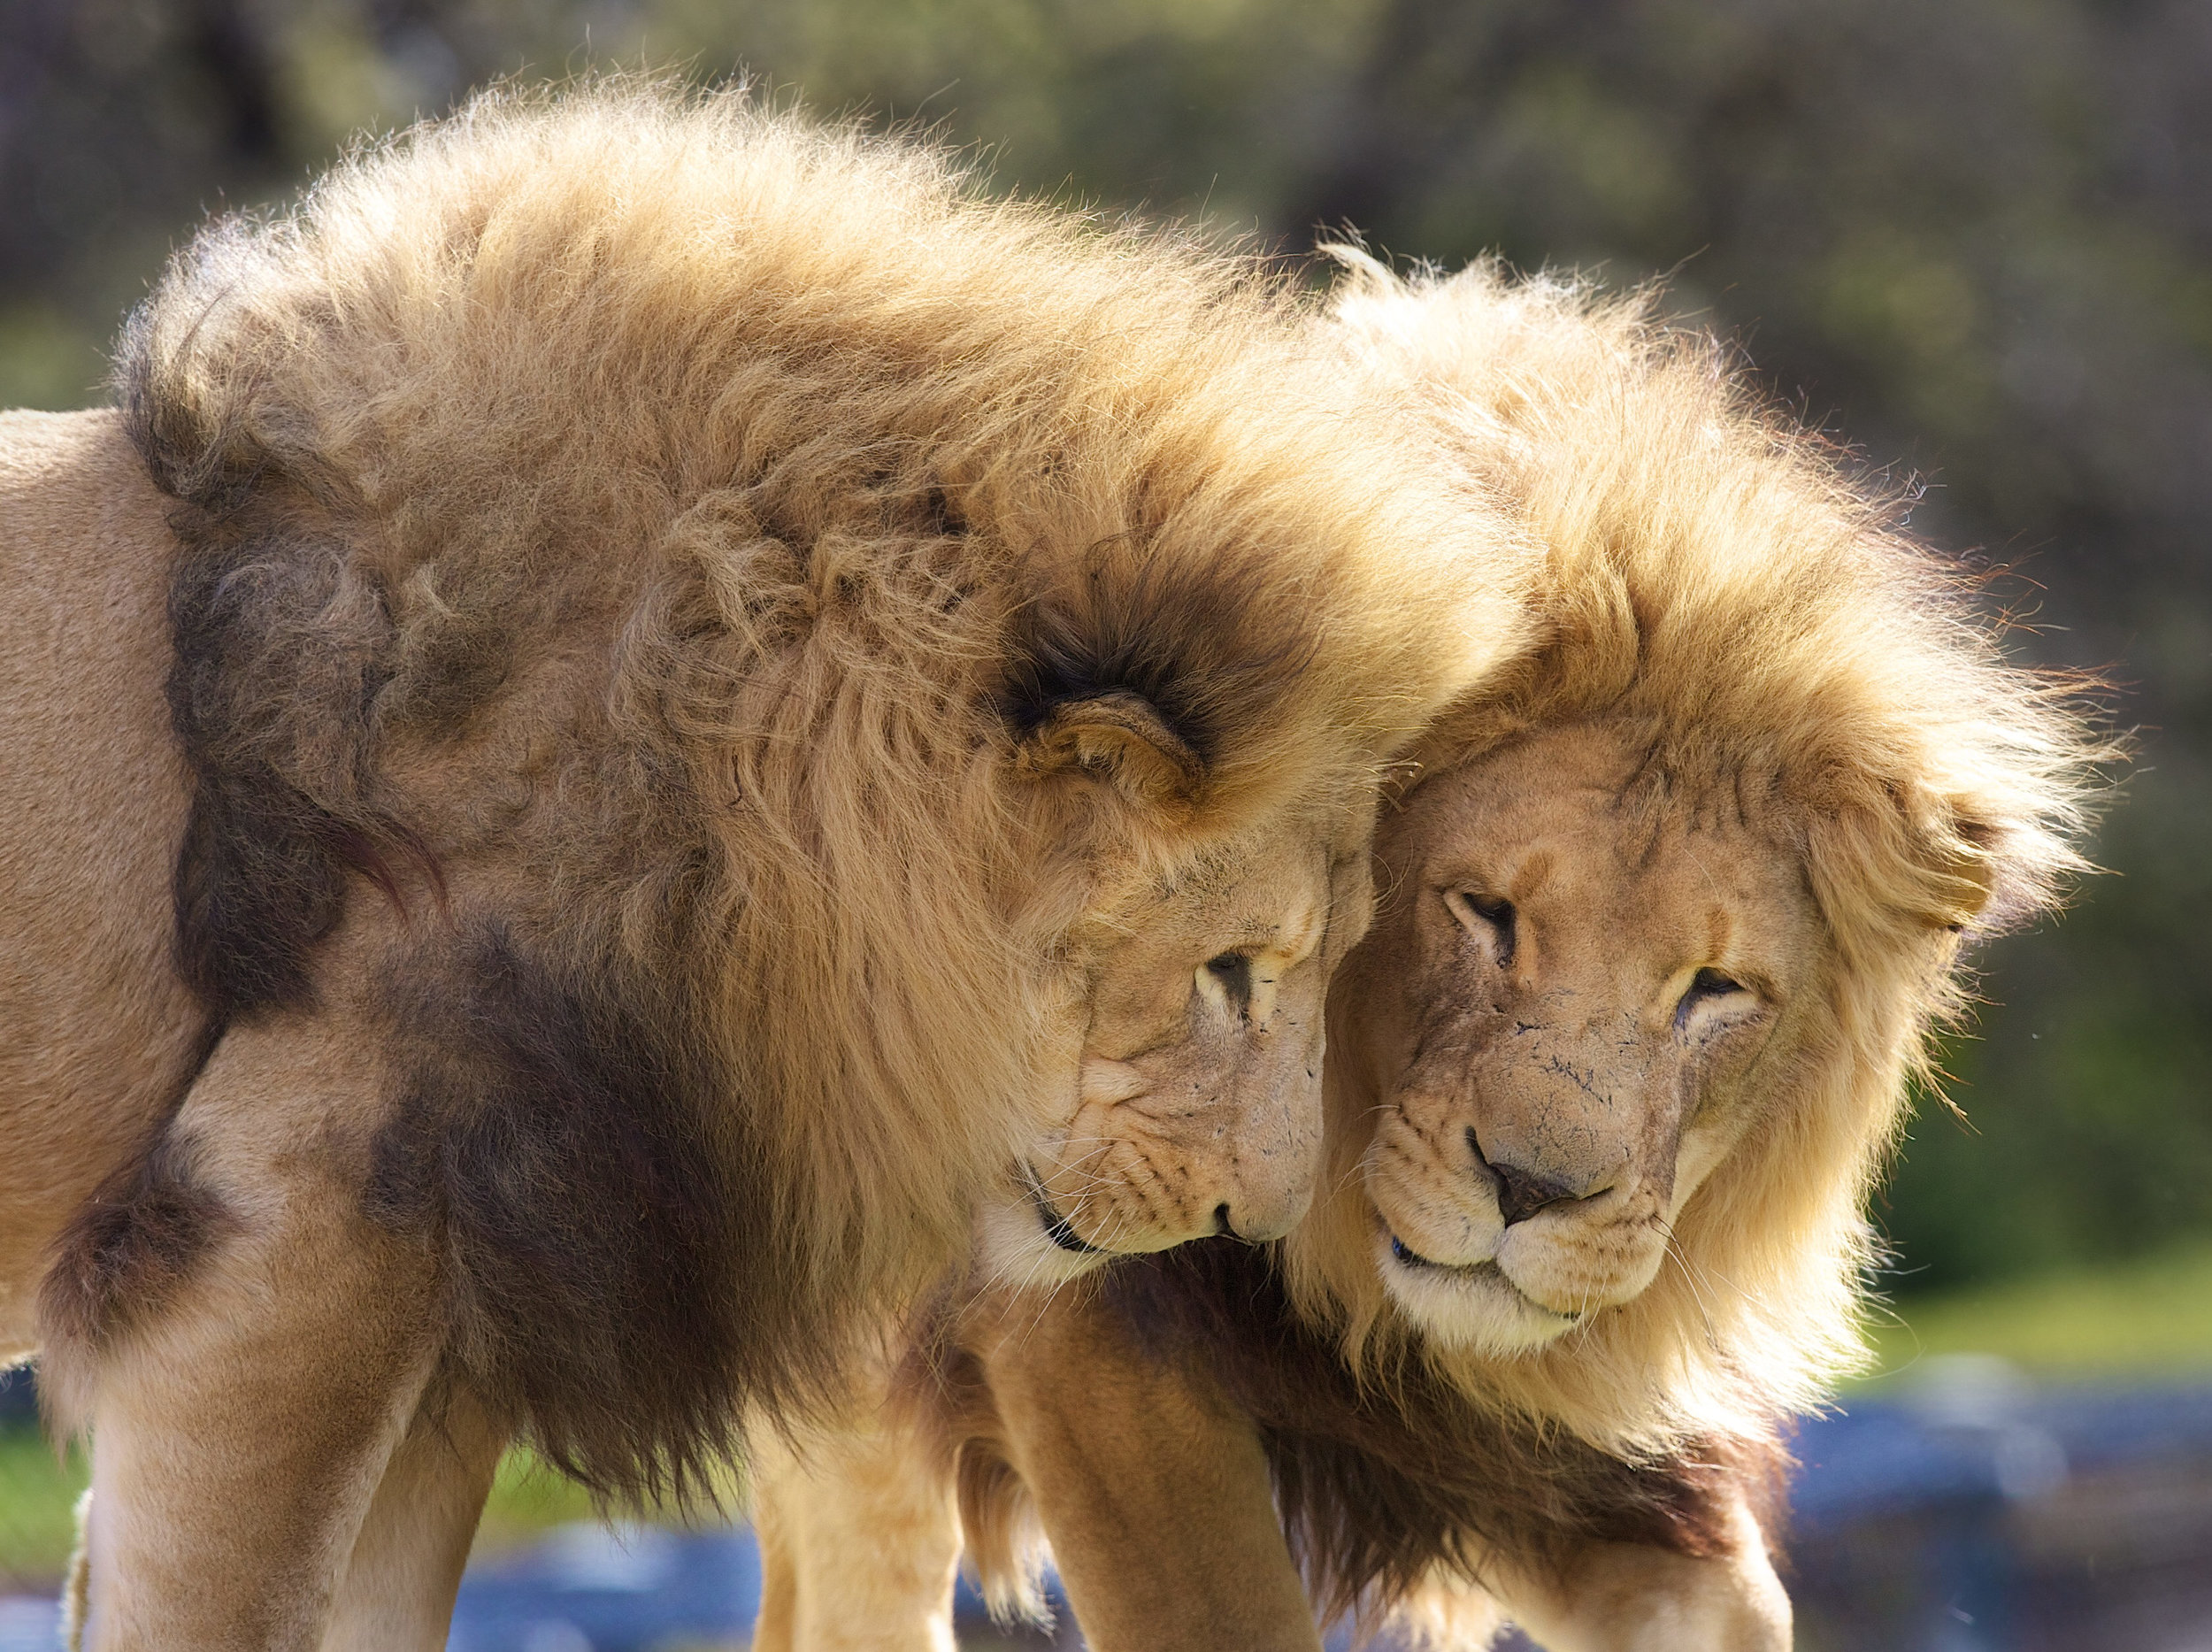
[247, 1348]
[1632, 1597]
[1153, 1489]
[400, 1582]
[859, 1537]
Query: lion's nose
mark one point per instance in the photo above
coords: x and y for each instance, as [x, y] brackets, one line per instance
[1523, 1193]
[1521, 1196]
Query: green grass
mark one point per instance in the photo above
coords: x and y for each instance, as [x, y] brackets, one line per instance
[38, 1498]
[2144, 1318]
[527, 1498]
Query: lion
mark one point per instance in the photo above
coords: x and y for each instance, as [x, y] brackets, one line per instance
[726, 696]
[1668, 911]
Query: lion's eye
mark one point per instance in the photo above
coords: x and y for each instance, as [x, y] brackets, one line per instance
[1232, 973]
[1706, 984]
[1490, 914]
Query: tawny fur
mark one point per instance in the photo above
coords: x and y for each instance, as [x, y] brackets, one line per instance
[1728, 605]
[694, 639]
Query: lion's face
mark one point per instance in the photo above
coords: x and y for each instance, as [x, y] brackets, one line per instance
[1197, 1104]
[1559, 1021]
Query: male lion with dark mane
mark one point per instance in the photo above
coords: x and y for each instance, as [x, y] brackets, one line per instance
[1666, 915]
[726, 698]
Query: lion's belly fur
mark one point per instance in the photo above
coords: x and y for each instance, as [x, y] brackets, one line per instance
[97, 1035]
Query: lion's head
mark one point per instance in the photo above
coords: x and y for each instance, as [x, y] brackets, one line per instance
[1197, 1105]
[1664, 919]
[1572, 1012]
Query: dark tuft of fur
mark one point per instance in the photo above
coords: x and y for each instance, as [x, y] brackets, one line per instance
[255, 888]
[1383, 1482]
[263, 628]
[606, 1278]
[127, 1250]
[1199, 646]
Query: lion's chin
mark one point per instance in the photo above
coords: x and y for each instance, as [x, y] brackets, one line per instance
[1022, 1241]
[1476, 1308]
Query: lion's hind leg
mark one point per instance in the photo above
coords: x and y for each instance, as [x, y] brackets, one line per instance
[399, 1585]
[247, 1348]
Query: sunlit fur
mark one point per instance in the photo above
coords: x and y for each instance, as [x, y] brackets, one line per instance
[738, 566]
[1730, 605]
[1719, 578]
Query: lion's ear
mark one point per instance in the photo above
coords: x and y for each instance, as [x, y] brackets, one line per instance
[1968, 874]
[1121, 738]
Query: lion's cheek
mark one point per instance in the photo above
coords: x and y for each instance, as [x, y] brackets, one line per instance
[1130, 1178]
[1704, 1147]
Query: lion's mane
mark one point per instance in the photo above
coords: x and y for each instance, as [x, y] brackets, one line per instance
[1721, 581]
[655, 540]
[1719, 577]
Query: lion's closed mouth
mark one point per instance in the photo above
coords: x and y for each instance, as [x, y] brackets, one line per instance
[1413, 1258]
[1486, 1271]
[1057, 1226]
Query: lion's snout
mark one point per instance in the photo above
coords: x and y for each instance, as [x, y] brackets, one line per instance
[1547, 1157]
[1267, 1206]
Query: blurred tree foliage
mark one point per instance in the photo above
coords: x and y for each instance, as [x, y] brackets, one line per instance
[1972, 237]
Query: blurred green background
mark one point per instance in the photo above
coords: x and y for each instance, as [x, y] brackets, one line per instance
[1970, 238]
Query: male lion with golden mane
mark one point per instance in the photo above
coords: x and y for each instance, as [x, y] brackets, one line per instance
[729, 702]
[1666, 916]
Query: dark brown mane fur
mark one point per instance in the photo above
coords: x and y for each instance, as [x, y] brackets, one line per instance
[1380, 1482]
[556, 1137]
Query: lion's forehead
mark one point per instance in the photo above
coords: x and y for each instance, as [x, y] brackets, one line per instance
[1272, 891]
[1614, 887]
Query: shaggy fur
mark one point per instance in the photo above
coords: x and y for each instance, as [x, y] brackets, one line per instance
[1718, 580]
[764, 617]
[1733, 610]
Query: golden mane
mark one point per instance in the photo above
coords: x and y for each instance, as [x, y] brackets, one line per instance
[1717, 575]
[671, 541]
[1731, 619]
